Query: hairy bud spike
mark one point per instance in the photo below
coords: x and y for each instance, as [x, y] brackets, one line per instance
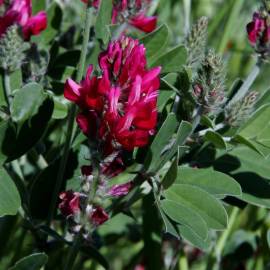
[196, 41]
[12, 49]
[240, 111]
[208, 87]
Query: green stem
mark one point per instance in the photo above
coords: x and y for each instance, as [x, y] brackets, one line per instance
[73, 252]
[187, 10]
[183, 262]
[214, 264]
[7, 89]
[222, 240]
[247, 84]
[71, 118]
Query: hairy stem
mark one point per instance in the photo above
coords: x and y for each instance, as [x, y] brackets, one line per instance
[71, 118]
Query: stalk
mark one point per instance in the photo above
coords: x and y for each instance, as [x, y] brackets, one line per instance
[183, 262]
[248, 82]
[214, 260]
[71, 117]
[187, 10]
[73, 252]
[224, 236]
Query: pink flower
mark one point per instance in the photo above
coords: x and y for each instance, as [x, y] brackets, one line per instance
[70, 203]
[258, 30]
[120, 190]
[144, 23]
[132, 13]
[20, 12]
[118, 107]
[98, 216]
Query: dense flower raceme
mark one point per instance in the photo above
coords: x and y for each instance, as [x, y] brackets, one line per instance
[259, 32]
[118, 108]
[118, 111]
[20, 12]
[132, 12]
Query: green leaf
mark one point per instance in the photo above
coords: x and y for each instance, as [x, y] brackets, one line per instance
[26, 102]
[9, 196]
[156, 42]
[16, 79]
[186, 216]
[216, 139]
[241, 140]
[203, 203]
[256, 190]
[251, 171]
[162, 139]
[183, 133]
[31, 262]
[60, 109]
[173, 60]
[206, 121]
[257, 123]
[193, 238]
[214, 182]
[245, 160]
[163, 98]
[15, 142]
[169, 227]
[103, 20]
[171, 175]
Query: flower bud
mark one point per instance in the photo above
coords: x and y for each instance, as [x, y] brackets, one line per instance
[98, 216]
[70, 203]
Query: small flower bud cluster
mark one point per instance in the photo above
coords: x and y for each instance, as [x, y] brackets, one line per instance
[237, 113]
[196, 42]
[84, 212]
[209, 85]
[12, 49]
